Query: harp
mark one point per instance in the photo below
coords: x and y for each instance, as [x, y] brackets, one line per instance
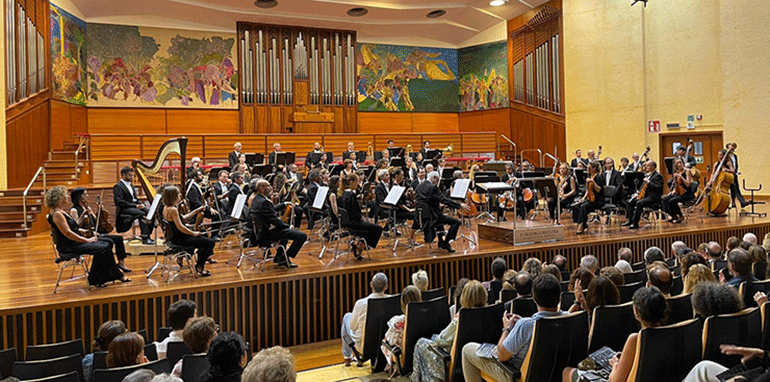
[142, 171]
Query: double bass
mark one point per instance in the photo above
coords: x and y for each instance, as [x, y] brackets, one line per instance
[717, 190]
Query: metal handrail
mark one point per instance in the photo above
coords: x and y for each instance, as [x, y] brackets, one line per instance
[26, 191]
[539, 155]
[81, 145]
[512, 144]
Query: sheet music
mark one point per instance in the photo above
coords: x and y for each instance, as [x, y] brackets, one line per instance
[154, 207]
[320, 197]
[495, 186]
[460, 189]
[240, 201]
[394, 195]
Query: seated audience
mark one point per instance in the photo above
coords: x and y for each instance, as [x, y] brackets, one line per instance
[395, 334]
[509, 279]
[624, 266]
[759, 261]
[601, 291]
[653, 254]
[533, 266]
[714, 251]
[584, 275]
[107, 332]
[275, 364]
[176, 317]
[420, 280]
[750, 238]
[353, 323]
[590, 262]
[707, 371]
[732, 243]
[141, 375]
[626, 254]
[498, 270]
[227, 357]
[456, 296]
[429, 366]
[739, 266]
[561, 262]
[697, 274]
[523, 284]
[711, 299]
[660, 277]
[614, 274]
[517, 334]
[649, 310]
[554, 270]
[126, 349]
[689, 260]
[198, 334]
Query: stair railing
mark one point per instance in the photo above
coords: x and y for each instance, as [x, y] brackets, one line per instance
[81, 147]
[40, 170]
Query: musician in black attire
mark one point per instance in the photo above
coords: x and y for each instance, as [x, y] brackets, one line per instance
[128, 208]
[735, 188]
[613, 177]
[272, 228]
[404, 213]
[313, 158]
[578, 158]
[236, 188]
[86, 219]
[233, 156]
[314, 176]
[68, 240]
[274, 154]
[348, 200]
[183, 236]
[688, 160]
[220, 187]
[429, 193]
[595, 183]
[652, 193]
[567, 190]
[684, 179]
[380, 192]
[195, 197]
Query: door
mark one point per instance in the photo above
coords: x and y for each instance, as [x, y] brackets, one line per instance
[706, 146]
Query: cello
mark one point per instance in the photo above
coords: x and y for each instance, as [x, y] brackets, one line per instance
[717, 190]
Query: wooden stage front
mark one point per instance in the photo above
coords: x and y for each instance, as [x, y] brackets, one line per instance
[288, 307]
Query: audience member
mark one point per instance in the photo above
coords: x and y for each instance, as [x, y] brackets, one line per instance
[732, 243]
[554, 270]
[677, 248]
[584, 275]
[689, 260]
[227, 357]
[456, 295]
[517, 333]
[714, 251]
[498, 270]
[614, 274]
[697, 274]
[707, 371]
[141, 375]
[533, 266]
[420, 280]
[626, 254]
[739, 265]
[509, 279]
[590, 262]
[353, 323]
[126, 349]
[428, 365]
[177, 316]
[653, 254]
[660, 277]
[766, 242]
[395, 334]
[759, 258]
[107, 332]
[601, 291]
[745, 245]
[561, 262]
[649, 310]
[198, 334]
[275, 364]
[164, 378]
[624, 266]
[523, 284]
[710, 299]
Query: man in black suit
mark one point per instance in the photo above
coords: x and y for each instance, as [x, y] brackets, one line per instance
[221, 187]
[424, 151]
[429, 193]
[380, 193]
[236, 188]
[314, 157]
[293, 176]
[578, 157]
[272, 228]
[735, 188]
[274, 154]
[314, 176]
[613, 177]
[594, 180]
[233, 157]
[128, 208]
[195, 197]
[652, 195]
[420, 178]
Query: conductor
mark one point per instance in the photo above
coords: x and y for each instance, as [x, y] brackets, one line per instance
[429, 193]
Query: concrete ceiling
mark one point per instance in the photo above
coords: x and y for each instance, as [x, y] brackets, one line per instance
[387, 20]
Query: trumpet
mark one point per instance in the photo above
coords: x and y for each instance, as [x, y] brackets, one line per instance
[449, 150]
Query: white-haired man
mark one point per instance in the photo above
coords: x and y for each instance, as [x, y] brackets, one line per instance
[353, 323]
[429, 193]
[233, 156]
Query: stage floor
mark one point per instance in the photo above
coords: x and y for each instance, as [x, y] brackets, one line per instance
[30, 272]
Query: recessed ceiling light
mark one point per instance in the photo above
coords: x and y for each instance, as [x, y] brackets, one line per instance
[435, 14]
[357, 12]
[497, 3]
[266, 3]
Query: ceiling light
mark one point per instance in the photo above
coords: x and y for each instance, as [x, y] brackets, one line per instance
[357, 12]
[436, 14]
[266, 3]
[497, 3]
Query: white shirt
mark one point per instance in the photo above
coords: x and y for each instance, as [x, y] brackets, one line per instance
[175, 336]
[130, 187]
[607, 176]
[293, 175]
[358, 319]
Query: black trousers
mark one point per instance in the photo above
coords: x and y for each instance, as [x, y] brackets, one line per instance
[454, 226]
[204, 246]
[585, 208]
[670, 203]
[283, 235]
[103, 266]
[634, 207]
[735, 191]
[402, 215]
[370, 232]
[134, 214]
[117, 244]
[565, 203]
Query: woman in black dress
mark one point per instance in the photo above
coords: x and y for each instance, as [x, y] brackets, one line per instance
[86, 219]
[181, 234]
[567, 190]
[68, 240]
[356, 225]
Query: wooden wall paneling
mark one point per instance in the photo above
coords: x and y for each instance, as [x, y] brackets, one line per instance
[220, 146]
[339, 119]
[433, 122]
[126, 120]
[381, 122]
[477, 143]
[300, 144]
[201, 121]
[301, 92]
[286, 112]
[400, 140]
[339, 143]
[441, 141]
[470, 121]
[498, 120]
[104, 148]
[27, 144]
[60, 124]
[261, 119]
[247, 119]
[78, 119]
[351, 120]
[275, 120]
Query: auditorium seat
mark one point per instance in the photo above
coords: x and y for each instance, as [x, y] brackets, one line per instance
[163, 332]
[151, 352]
[666, 354]
[378, 312]
[743, 329]
[507, 295]
[679, 309]
[627, 291]
[567, 299]
[117, 374]
[759, 269]
[26, 370]
[677, 285]
[638, 266]
[718, 264]
[611, 325]
[433, 293]
[423, 319]
[50, 351]
[175, 350]
[7, 358]
[193, 367]
[636, 276]
[100, 359]
[765, 326]
[523, 306]
[747, 290]
[68, 377]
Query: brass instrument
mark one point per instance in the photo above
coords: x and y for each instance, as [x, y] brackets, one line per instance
[408, 150]
[370, 152]
[449, 150]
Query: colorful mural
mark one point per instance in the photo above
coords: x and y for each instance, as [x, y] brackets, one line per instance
[68, 57]
[404, 78]
[138, 66]
[483, 76]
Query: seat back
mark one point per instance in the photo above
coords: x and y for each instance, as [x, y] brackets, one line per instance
[434, 293]
[49, 351]
[759, 269]
[422, 210]
[423, 319]
[343, 217]
[492, 296]
[666, 354]
[26, 370]
[671, 261]
[474, 325]
[565, 276]
[72, 376]
[163, 333]
[7, 358]
[611, 325]
[638, 266]
[567, 299]
[194, 366]
[507, 295]
[747, 290]
[718, 264]
[143, 333]
[175, 350]
[765, 326]
[627, 291]
[677, 285]
[523, 306]
[168, 232]
[556, 343]
[635, 276]
[116, 374]
[743, 329]
[378, 312]
[679, 309]
[151, 352]
[100, 360]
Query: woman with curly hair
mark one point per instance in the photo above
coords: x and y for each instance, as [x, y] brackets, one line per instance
[227, 358]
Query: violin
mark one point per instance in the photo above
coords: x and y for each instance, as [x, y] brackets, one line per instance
[590, 192]
[86, 218]
[102, 218]
[680, 189]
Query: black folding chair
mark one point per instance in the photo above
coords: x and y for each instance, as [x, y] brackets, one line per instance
[7, 358]
[175, 350]
[117, 374]
[26, 370]
[194, 366]
[49, 351]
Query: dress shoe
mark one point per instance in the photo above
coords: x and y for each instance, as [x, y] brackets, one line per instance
[447, 247]
[633, 226]
[211, 260]
[744, 204]
[148, 241]
[626, 223]
[124, 269]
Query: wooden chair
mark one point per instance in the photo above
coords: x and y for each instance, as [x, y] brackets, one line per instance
[433, 293]
[116, 374]
[747, 290]
[50, 351]
[27, 370]
[627, 291]
[194, 366]
[679, 309]
[611, 325]
[743, 329]
[7, 358]
[175, 350]
[423, 319]
[378, 312]
[765, 326]
[634, 277]
[666, 354]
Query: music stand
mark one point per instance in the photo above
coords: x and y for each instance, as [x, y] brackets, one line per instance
[580, 176]
[284, 158]
[448, 173]
[433, 154]
[398, 162]
[460, 192]
[390, 203]
[335, 169]
[151, 217]
[360, 156]
[396, 152]
[214, 171]
[633, 180]
[548, 188]
[669, 161]
[426, 162]
[493, 188]
[253, 159]
[533, 174]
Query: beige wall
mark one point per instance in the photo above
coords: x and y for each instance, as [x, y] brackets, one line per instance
[3, 152]
[627, 65]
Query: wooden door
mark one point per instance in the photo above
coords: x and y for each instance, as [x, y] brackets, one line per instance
[706, 146]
